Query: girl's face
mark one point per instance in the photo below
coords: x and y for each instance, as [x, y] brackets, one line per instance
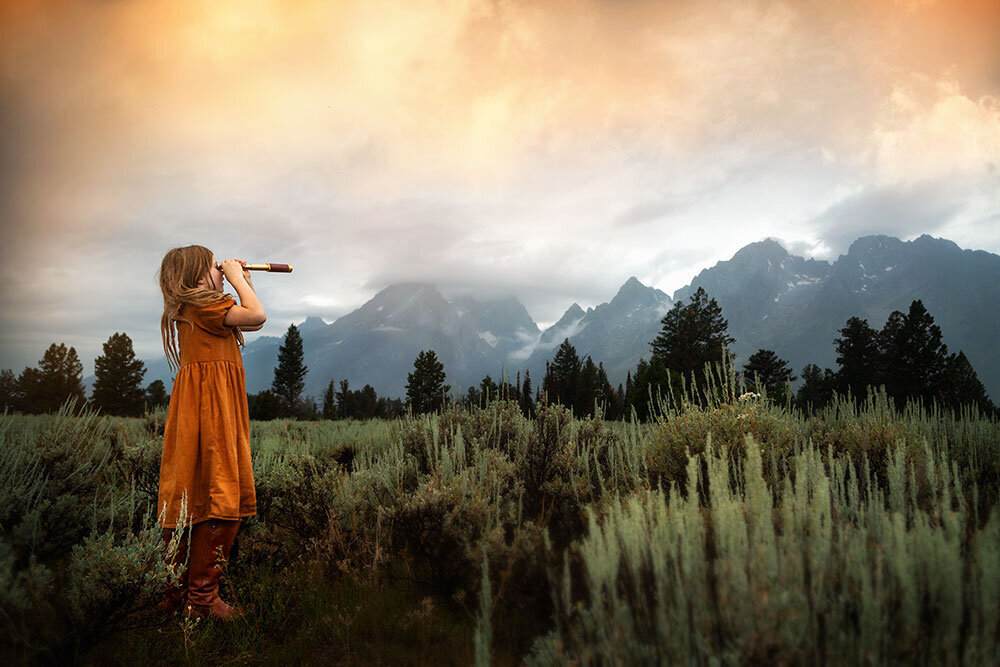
[213, 280]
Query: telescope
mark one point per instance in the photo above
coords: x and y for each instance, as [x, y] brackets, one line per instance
[273, 268]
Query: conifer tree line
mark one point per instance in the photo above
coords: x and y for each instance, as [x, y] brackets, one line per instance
[907, 357]
[58, 378]
[284, 400]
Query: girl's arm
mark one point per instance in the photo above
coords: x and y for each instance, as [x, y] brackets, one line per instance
[249, 312]
[246, 275]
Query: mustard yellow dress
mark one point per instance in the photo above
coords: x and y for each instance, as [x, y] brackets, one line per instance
[206, 440]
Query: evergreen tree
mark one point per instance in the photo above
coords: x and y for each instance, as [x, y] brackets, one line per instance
[367, 402]
[156, 395]
[693, 335]
[8, 391]
[473, 398]
[562, 376]
[330, 401]
[961, 386]
[425, 386]
[527, 404]
[886, 342]
[587, 388]
[488, 391]
[344, 407]
[265, 406]
[916, 359]
[118, 384]
[817, 388]
[290, 373]
[771, 371]
[29, 397]
[650, 382]
[858, 356]
[58, 378]
[619, 411]
[308, 409]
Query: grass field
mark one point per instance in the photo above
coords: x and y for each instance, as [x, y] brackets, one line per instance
[741, 532]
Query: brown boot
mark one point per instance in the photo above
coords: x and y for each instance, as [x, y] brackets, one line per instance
[172, 598]
[204, 571]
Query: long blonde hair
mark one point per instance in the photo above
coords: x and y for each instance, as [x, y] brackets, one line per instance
[178, 277]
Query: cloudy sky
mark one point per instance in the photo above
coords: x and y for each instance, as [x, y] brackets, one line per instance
[548, 150]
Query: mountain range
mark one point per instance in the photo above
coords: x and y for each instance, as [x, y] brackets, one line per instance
[770, 298]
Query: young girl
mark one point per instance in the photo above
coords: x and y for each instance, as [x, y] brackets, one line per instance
[206, 441]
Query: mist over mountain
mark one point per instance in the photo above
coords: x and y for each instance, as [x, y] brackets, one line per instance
[770, 298]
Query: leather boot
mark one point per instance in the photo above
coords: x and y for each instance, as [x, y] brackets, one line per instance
[172, 598]
[204, 570]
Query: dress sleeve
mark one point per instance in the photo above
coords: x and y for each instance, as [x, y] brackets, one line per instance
[212, 318]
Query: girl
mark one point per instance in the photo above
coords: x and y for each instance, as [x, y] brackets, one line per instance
[206, 440]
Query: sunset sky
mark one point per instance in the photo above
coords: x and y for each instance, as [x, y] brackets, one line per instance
[548, 150]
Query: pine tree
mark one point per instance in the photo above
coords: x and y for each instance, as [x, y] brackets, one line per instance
[265, 406]
[817, 388]
[858, 356]
[28, 397]
[156, 395]
[290, 373]
[961, 386]
[368, 402]
[586, 389]
[488, 390]
[8, 391]
[60, 379]
[473, 398]
[330, 401]
[425, 386]
[771, 371]
[915, 359]
[693, 335]
[527, 404]
[651, 380]
[562, 376]
[118, 384]
[344, 407]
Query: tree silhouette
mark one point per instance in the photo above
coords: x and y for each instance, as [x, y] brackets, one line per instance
[771, 371]
[858, 356]
[29, 399]
[425, 386]
[290, 373]
[915, 358]
[488, 391]
[156, 395]
[265, 406]
[650, 381]
[330, 401]
[693, 335]
[118, 384]
[9, 391]
[527, 403]
[562, 375]
[58, 378]
[961, 386]
[817, 388]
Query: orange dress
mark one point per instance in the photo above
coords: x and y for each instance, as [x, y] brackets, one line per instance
[206, 439]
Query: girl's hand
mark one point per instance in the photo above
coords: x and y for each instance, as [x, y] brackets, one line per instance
[233, 268]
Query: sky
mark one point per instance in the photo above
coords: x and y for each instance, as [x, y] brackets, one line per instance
[546, 150]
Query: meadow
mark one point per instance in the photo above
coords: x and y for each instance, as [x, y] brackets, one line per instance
[727, 531]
